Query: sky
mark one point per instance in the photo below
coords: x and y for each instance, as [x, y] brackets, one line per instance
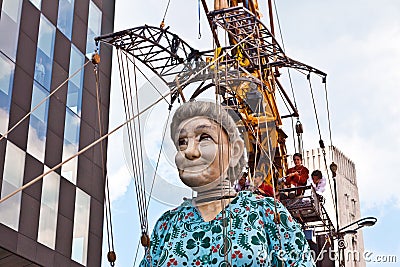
[355, 42]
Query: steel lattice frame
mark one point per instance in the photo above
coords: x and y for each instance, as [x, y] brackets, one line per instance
[241, 23]
[161, 51]
[175, 62]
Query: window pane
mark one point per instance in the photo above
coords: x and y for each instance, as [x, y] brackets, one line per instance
[69, 169]
[49, 210]
[12, 180]
[36, 143]
[71, 145]
[75, 84]
[12, 8]
[14, 164]
[38, 95]
[65, 17]
[44, 54]
[50, 190]
[37, 3]
[9, 23]
[47, 226]
[81, 227]
[10, 209]
[46, 36]
[94, 28]
[6, 80]
[72, 127]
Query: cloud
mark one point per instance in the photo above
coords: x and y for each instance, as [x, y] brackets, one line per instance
[6, 69]
[118, 183]
[362, 66]
[3, 121]
[370, 133]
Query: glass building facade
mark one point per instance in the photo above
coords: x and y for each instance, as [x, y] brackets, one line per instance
[57, 221]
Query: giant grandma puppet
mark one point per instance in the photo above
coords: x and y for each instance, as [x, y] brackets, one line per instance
[220, 227]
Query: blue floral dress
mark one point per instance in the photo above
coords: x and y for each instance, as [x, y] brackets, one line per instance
[245, 235]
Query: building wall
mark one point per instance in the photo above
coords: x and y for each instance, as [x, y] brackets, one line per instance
[348, 198]
[58, 221]
[349, 206]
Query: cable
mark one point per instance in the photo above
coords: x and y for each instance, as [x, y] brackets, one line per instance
[107, 203]
[136, 254]
[288, 70]
[141, 150]
[199, 36]
[321, 141]
[315, 108]
[165, 14]
[145, 76]
[269, 155]
[134, 155]
[158, 158]
[329, 118]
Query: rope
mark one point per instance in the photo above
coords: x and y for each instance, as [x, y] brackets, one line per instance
[288, 71]
[145, 76]
[106, 196]
[44, 100]
[158, 158]
[271, 163]
[140, 148]
[154, 177]
[321, 142]
[199, 36]
[315, 108]
[110, 235]
[136, 254]
[291, 118]
[165, 14]
[258, 106]
[329, 118]
[134, 159]
[166, 9]
[220, 153]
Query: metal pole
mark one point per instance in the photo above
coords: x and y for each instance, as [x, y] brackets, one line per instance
[271, 18]
[339, 236]
[336, 203]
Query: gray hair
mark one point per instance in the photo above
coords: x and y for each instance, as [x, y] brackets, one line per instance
[215, 113]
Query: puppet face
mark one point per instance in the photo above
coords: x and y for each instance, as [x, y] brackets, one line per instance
[203, 152]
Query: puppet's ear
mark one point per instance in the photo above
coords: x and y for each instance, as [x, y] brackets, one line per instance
[237, 148]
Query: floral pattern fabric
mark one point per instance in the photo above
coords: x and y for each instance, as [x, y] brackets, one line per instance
[243, 234]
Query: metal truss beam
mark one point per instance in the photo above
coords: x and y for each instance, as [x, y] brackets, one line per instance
[260, 47]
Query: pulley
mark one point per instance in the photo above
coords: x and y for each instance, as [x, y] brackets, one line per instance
[145, 240]
[299, 128]
[96, 58]
[111, 257]
[321, 144]
[333, 168]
